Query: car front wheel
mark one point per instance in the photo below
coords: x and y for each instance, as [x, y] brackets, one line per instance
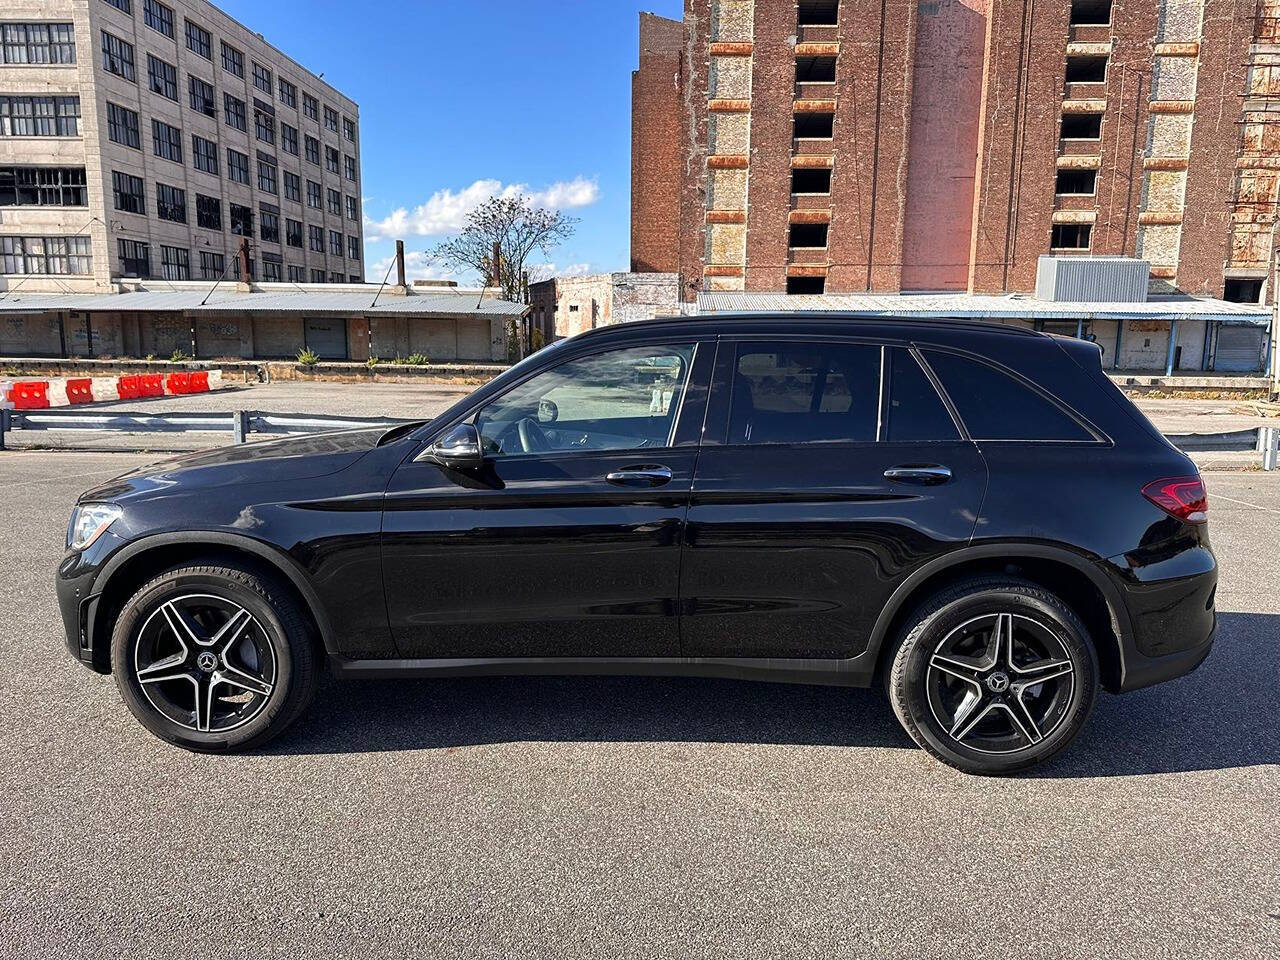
[214, 658]
[994, 676]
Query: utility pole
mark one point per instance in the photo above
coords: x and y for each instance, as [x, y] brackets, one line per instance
[1273, 348]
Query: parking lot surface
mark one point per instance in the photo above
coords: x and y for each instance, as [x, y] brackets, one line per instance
[599, 817]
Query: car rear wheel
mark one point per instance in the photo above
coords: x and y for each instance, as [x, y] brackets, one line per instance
[214, 658]
[993, 676]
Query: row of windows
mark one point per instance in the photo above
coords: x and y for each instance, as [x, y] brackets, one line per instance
[46, 255]
[159, 17]
[123, 128]
[39, 116]
[37, 43]
[175, 264]
[43, 187]
[129, 193]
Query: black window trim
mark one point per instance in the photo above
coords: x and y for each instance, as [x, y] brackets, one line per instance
[684, 433]
[1099, 437]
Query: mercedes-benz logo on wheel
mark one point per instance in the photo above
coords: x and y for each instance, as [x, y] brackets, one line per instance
[207, 662]
[998, 682]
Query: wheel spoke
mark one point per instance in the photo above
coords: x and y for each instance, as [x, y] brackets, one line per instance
[231, 631]
[954, 666]
[1042, 672]
[182, 626]
[204, 706]
[1000, 644]
[972, 700]
[972, 720]
[1022, 719]
[165, 669]
[238, 678]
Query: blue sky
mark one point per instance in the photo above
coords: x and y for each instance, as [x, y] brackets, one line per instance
[460, 99]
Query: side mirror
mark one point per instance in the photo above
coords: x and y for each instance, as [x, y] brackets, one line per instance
[548, 412]
[459, 448]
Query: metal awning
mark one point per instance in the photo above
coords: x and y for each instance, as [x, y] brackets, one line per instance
[229, 300]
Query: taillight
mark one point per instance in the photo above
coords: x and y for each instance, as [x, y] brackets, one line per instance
[1182, 497]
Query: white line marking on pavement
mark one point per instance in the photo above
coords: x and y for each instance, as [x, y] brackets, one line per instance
[1243, 503]
[73, 476]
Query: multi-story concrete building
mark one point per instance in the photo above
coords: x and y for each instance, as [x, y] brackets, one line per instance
[843, 146]
[141, 138]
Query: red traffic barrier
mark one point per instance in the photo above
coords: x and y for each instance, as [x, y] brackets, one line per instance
[80, 391]
[30, 395]
[178, 383]
[151, 385]
[199, 382]
[129, 388]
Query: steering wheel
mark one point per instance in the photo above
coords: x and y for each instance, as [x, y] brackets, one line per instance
[532, 439]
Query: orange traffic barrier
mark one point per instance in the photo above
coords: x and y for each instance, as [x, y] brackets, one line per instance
[151, 385]
[130, 388]
[80, 391]
[178, 383]
[30, 395]
[199, 382]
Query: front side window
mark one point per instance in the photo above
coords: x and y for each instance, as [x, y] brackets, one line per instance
[802, 392]
[624, 399]
[995, 406]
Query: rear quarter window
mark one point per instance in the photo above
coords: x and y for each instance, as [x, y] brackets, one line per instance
[995, 406]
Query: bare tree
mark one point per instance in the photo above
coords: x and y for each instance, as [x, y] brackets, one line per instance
[517, 227]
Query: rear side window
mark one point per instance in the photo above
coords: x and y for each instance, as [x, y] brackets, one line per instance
[995, 406]
[804, 392]
[915, 413]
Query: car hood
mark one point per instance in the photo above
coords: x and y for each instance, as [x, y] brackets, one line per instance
[292, 458]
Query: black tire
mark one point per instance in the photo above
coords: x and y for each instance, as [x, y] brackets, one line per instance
[985, 719]
[251, 692]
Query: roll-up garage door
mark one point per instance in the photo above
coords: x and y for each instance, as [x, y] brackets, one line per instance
[327, 337]
[1239, 349]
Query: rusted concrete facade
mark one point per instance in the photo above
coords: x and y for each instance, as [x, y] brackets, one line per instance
[963, 139]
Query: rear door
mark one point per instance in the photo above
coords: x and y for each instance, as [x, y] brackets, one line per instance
[830, 469]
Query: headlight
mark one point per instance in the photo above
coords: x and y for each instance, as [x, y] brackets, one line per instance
[89, 521]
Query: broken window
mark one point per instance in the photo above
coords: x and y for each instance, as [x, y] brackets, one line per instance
[814, 126]
[1071, 236]
[1090, 13]
[808, 235]
[1087, 69]
[806, 285]
[1081, 126]
[1242, 290]
[817, 13]
[1077, 182]
[811, 180]
[815, 69]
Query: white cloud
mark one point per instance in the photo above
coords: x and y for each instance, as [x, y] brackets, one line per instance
[545, 271]
[417, 266]
[446, 211]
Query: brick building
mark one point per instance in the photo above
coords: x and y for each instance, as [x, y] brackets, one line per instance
[845, 146]
[565, 306]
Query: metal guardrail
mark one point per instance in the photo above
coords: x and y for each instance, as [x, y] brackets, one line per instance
[242, 423]
[239, 423]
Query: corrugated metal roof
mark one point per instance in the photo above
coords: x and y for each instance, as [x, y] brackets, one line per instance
[942, 306]
[433, 304]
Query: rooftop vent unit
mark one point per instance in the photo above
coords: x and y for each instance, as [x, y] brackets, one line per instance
[1093, 279]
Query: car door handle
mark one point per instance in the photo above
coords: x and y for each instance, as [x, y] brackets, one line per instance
[641, 476]
[926, 473]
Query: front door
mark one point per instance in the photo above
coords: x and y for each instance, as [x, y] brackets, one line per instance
[830, 470]
[566, 543]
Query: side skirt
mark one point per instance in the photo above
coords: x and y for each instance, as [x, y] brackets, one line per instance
[855, 672]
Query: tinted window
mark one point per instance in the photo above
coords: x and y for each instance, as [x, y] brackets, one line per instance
[804, 392]
[620, 400]
[916, 413]
[994, 406]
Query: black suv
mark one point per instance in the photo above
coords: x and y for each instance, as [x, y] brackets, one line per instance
[969, 515]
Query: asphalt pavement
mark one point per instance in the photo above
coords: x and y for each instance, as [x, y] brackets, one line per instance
[599, 817]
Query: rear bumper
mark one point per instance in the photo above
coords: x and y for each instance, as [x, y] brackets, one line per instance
[1170, 607]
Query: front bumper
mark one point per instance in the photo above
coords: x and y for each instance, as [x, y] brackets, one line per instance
[78, 604]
